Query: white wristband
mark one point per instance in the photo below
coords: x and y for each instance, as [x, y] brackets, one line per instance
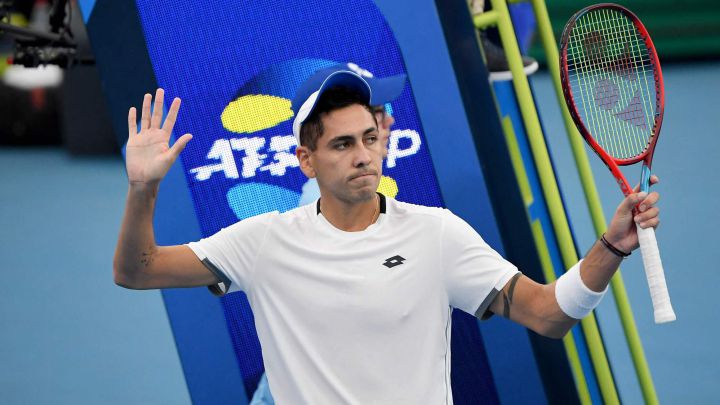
[573, 296]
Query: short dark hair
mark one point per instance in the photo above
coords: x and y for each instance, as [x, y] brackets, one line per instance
[332, 99]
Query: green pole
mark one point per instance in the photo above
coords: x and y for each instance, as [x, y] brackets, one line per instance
[593, 200]
[544, 254]
[551, 192]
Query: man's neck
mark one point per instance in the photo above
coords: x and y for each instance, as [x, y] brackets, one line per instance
[350, 217]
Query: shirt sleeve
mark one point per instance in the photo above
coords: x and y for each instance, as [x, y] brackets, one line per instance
[474, 273]
[232, 252]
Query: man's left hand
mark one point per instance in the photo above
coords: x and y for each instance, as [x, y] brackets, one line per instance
[637, 208]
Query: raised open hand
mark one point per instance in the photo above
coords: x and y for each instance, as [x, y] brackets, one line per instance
[148, 154]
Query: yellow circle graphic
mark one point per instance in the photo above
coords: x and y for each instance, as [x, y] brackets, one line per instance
[255, 112]
[388, 187]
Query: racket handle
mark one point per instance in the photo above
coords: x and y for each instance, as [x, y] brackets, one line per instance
[655, 275]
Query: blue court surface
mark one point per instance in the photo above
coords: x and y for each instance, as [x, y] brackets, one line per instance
[683, 356]
[68, 335]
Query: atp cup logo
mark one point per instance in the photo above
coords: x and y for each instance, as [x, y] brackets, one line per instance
[262, 152]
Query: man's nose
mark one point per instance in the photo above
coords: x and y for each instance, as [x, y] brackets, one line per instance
[362, 156]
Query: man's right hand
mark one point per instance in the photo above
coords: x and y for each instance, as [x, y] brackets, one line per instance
[139, 263]
[148, 154]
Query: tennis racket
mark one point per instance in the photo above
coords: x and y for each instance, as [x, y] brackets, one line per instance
[613, 88]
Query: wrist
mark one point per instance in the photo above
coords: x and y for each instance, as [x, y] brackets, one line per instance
[143, 188]
[613, 247]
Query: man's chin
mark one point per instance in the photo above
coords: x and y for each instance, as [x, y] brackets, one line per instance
[368, 194]
[364, 194]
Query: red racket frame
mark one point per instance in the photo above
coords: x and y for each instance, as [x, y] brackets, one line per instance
[611, 162]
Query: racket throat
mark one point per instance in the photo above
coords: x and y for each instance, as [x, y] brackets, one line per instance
[619, 177]
[645, 178]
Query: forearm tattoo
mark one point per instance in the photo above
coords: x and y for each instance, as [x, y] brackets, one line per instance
[147, 257]
[508, 297]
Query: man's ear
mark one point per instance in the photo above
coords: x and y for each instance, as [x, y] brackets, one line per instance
[303, 156]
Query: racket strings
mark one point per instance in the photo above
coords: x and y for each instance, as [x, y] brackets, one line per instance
[608, 68]
[606, 92]
[610, 62]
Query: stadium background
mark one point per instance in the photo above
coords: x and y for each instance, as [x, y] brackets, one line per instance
[70, 328]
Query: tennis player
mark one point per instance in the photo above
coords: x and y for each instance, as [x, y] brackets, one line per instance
[353, 294]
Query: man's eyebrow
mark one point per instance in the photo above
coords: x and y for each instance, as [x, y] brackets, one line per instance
[347, 138]
[341, 138]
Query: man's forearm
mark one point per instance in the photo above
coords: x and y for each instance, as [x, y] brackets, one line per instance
[136, 243]
[598, 267]
[572, 300]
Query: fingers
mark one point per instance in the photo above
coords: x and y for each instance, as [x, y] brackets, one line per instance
[648, 201]
[171, 116]
[647, 214]
[629, 203]
[388, 121]
[153, 119]
[179, 145]
[648, 218]
[653, 180]
[145, 117]
[158, 109]
[132, 122]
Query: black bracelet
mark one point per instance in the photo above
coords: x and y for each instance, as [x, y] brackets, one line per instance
[616, 251]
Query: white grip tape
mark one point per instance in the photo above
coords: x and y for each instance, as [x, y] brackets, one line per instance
[655, 275]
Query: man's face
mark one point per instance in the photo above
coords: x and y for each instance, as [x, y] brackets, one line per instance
[348, 159]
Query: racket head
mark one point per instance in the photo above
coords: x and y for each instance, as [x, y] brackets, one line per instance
[612, 83]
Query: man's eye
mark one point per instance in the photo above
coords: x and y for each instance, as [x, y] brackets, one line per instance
[341, 146]
[371, 140]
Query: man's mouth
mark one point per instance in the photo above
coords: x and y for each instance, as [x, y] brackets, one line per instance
[362, 175]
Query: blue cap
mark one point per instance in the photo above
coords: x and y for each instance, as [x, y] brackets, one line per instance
[374, 90]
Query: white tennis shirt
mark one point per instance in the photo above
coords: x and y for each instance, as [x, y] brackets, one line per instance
[357, 317]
